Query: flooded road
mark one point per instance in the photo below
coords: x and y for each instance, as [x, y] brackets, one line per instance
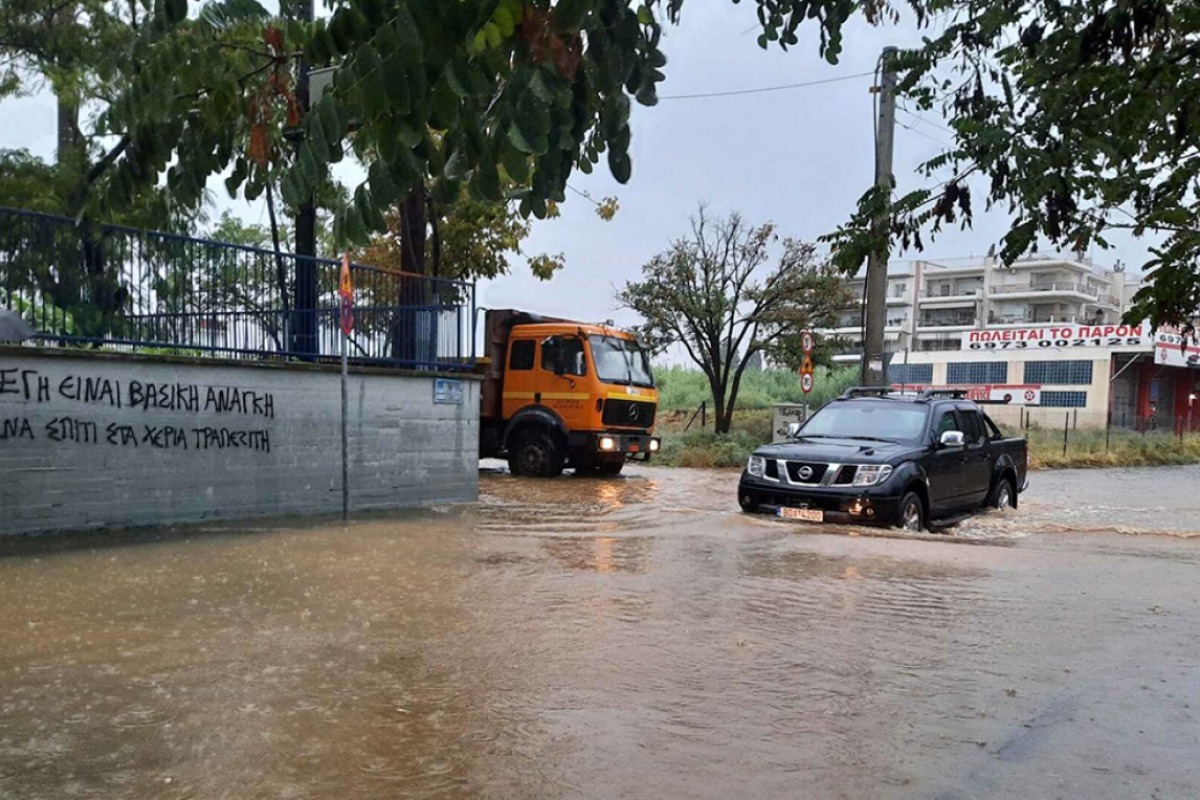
[631, 638]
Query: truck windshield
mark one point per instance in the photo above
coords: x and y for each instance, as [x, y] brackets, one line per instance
[892, 422]
[621, 361]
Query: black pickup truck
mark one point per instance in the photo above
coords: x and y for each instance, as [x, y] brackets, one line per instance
[880, 457]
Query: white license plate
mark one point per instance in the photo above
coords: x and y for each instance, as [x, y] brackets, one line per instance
[806, 514]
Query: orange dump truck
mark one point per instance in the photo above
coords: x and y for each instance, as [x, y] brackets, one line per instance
[561, 394]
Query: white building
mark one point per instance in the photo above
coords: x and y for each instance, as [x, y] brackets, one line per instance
[1044, 331]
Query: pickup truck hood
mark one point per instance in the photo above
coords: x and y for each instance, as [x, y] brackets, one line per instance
[838, 451]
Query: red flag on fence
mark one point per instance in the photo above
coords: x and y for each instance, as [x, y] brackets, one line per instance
[346, 292]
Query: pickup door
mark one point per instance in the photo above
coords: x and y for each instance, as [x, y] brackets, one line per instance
[944, 466]
[977, 457]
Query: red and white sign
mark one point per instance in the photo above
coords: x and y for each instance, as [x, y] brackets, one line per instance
[1017, 394]
[806, 382]
[1057, 337]
[1172, 349]
[806, 343]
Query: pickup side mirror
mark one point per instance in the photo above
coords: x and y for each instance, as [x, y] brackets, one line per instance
[793, 430]
[952, 439]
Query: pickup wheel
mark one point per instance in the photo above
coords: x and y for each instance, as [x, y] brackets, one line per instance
[1003, 495]
[910, 515]
[535, 455]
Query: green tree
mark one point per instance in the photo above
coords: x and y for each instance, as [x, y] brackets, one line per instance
[1079, 118]
[729, 291]
[440, 95]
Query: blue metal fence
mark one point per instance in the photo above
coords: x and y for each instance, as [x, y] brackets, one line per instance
[125, 289]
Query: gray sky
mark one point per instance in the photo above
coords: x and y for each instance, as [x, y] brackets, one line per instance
[799, 158]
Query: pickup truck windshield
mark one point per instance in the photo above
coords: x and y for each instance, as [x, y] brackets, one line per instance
[894, 422]
[621, 361]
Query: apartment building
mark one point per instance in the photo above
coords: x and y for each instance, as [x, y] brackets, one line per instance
[931, 304]
[1044, 332]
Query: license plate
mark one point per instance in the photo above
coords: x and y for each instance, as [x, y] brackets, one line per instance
[806, 514]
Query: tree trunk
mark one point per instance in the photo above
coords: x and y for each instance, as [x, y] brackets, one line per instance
[721, 416]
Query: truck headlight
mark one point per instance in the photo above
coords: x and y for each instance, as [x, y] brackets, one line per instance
[655, 444]
[871, 474]
[608, 443]
[756, 466]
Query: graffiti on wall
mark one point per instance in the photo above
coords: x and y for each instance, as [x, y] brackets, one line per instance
[121, 400]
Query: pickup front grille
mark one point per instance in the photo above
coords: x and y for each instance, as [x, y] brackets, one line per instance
[805, 472]
[629, 413]
[810, 473]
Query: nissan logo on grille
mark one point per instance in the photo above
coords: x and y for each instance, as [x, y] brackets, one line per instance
[805, 472]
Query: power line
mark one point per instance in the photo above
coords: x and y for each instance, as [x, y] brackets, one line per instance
[765, 88]
[925, 135]
[926, 120]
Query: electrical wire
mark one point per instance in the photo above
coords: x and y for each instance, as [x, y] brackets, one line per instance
[925, 135]
[926, 120]
[762, 89]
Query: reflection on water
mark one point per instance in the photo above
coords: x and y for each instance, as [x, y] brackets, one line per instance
[636, 637]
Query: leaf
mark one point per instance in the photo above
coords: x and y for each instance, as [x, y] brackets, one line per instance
[620, 165]
[383, 188]
[569, 14]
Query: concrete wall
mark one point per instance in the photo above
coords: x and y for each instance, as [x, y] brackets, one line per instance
[103, 440]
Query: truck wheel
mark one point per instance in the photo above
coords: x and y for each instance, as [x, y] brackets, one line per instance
[610, 468]
[1003, 495]
[536, 456]
[910, 515]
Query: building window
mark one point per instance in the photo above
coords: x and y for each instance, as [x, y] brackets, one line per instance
[977, 372]
[1064, 399]
[1062, 372]
[899, 288]
[910, 373]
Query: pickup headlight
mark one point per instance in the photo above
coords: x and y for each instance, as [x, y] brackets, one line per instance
[756, 466]
[871, 474]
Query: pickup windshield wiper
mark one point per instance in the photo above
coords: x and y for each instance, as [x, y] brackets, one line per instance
[868, 439]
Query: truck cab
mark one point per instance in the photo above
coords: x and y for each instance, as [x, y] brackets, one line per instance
[561, 394]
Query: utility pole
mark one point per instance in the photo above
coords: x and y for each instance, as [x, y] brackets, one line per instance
[304, 331]
[874, 370]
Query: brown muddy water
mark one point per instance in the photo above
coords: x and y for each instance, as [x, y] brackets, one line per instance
[624, 638]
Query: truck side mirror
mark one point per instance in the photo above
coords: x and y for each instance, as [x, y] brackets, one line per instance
[953, 439]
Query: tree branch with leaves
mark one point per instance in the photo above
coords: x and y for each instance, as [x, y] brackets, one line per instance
[729, 291]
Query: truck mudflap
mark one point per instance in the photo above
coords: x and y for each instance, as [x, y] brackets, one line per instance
[634, 446]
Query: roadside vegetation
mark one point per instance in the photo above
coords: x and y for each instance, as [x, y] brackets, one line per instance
[683, 390]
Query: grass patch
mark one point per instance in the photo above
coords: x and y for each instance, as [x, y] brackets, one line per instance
[681, 388]
[1085, 448]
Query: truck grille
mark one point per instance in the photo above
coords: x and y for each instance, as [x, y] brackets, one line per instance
[629, 413]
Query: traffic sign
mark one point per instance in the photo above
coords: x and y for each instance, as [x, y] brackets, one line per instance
[806, 382]
[807, 367]
[806, 343]
[346, 295]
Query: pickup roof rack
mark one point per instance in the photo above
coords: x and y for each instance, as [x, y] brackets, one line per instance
[884, 391]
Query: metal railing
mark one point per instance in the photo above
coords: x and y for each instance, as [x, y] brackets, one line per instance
[119, 288]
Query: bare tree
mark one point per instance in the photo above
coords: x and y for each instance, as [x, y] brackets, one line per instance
[729, 291]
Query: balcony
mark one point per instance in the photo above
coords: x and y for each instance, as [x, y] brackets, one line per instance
[945, 297]
[955, 321]
[1038, 289]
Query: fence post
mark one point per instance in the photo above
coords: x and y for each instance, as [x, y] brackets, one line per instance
[1107, 429]
[1066, 432]
[703, 414]
[1075, 421]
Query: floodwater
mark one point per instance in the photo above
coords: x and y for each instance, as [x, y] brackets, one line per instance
[629, 638]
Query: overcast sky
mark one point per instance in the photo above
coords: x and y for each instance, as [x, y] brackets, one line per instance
[798, 157]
